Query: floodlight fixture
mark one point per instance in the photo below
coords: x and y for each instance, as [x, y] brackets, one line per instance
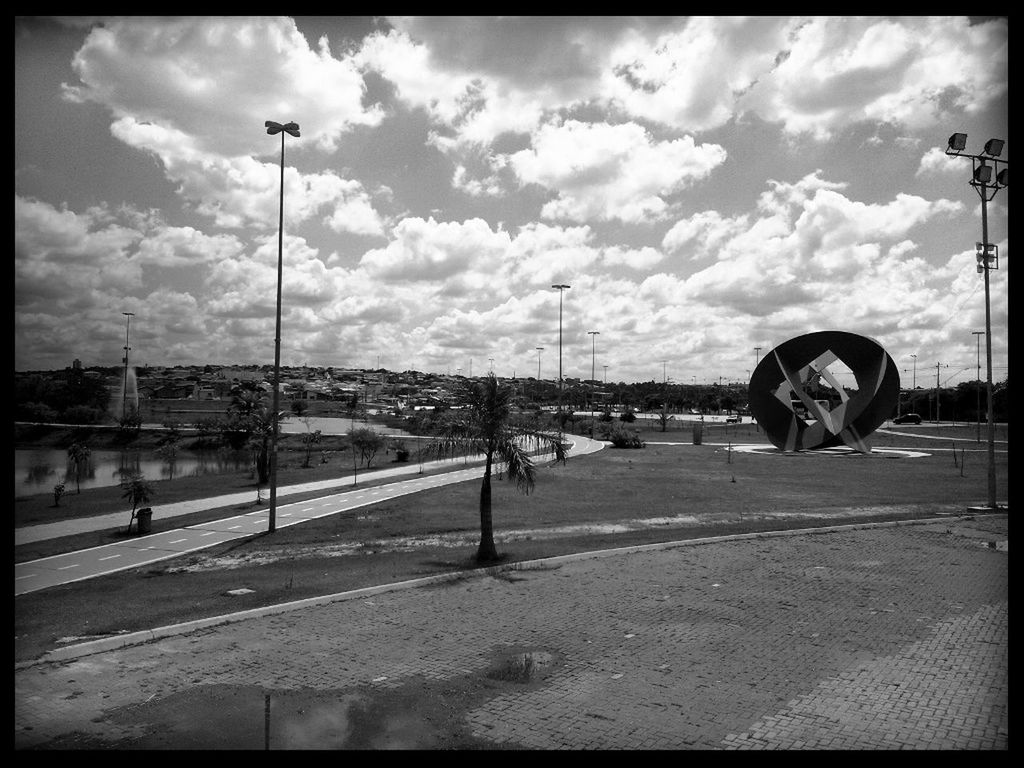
[957, 142]
[983, 173]
[274, 128]
[1003, 177]
[994, 147]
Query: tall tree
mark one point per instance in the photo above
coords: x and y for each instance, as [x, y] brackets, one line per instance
[487, 426]
[251, 419]
[78, 453]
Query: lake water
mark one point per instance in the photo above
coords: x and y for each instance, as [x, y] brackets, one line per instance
[37, 470]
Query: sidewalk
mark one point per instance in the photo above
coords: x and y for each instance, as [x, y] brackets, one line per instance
[881, 636]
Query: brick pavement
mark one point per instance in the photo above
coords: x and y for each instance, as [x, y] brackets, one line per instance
[882, 637]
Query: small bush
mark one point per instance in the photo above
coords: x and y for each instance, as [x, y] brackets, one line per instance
[37, 412]
[628, 417]
[625, 438]
[82, 414]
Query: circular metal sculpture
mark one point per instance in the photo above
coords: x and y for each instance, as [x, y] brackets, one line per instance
[801, 406]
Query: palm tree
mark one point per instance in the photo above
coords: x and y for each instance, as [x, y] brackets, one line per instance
[489, 427]
[250, 412]
[138, 491]
[78, 453]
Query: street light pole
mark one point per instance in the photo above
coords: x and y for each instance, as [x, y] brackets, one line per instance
[593, 348]
[127, 349]
[977, 384]
[539, 350]
[293, 130]
[561, 288]
[987, 179]
[757, 356]
[914, 384]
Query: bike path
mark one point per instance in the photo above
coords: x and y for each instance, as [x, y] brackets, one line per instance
[142, 550]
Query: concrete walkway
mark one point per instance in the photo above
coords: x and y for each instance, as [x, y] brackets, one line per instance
[868, 637]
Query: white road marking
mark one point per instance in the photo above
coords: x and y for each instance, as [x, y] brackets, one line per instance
[208, 533]
[233, 527]
[177, 541]
[111, 557]
[65, 567]
[26, 576]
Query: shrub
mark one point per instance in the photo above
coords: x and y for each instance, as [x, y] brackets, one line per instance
[39, 412]
[82, 414]
[625, 438]
[628, 416]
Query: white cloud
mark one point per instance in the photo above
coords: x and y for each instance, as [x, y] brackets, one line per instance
[705, 230]
[432, 251]
[607, 172]
[913, 71]
[216, 80]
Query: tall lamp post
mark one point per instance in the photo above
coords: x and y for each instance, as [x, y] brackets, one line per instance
[593, 348]
[987, 179]
[127, 349]
[291, 129]
[561, 288]
[757, 356]
[977, 384]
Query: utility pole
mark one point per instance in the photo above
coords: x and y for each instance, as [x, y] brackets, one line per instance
[937, 393]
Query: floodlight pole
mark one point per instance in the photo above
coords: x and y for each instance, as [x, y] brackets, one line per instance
[977, 384]
[593, 348]
[293, 129]
[987, 179]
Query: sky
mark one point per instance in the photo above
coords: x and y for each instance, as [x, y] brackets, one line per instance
[708, 187]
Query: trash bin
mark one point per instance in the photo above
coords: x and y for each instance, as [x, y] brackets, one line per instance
[698, 433]
[145, 516]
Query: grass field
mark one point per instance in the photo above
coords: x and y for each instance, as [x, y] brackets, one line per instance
[614, 498]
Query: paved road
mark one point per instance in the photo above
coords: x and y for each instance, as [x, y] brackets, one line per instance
[886, 636]
[133, 553]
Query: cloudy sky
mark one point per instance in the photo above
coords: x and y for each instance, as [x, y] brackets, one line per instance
[706, 186]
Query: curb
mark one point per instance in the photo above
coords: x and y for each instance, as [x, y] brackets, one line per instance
[149, 635]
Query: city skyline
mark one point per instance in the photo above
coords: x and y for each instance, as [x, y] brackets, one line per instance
[707, 187]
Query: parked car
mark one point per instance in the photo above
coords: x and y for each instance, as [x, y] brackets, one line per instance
[733, 419]
[907, 418]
